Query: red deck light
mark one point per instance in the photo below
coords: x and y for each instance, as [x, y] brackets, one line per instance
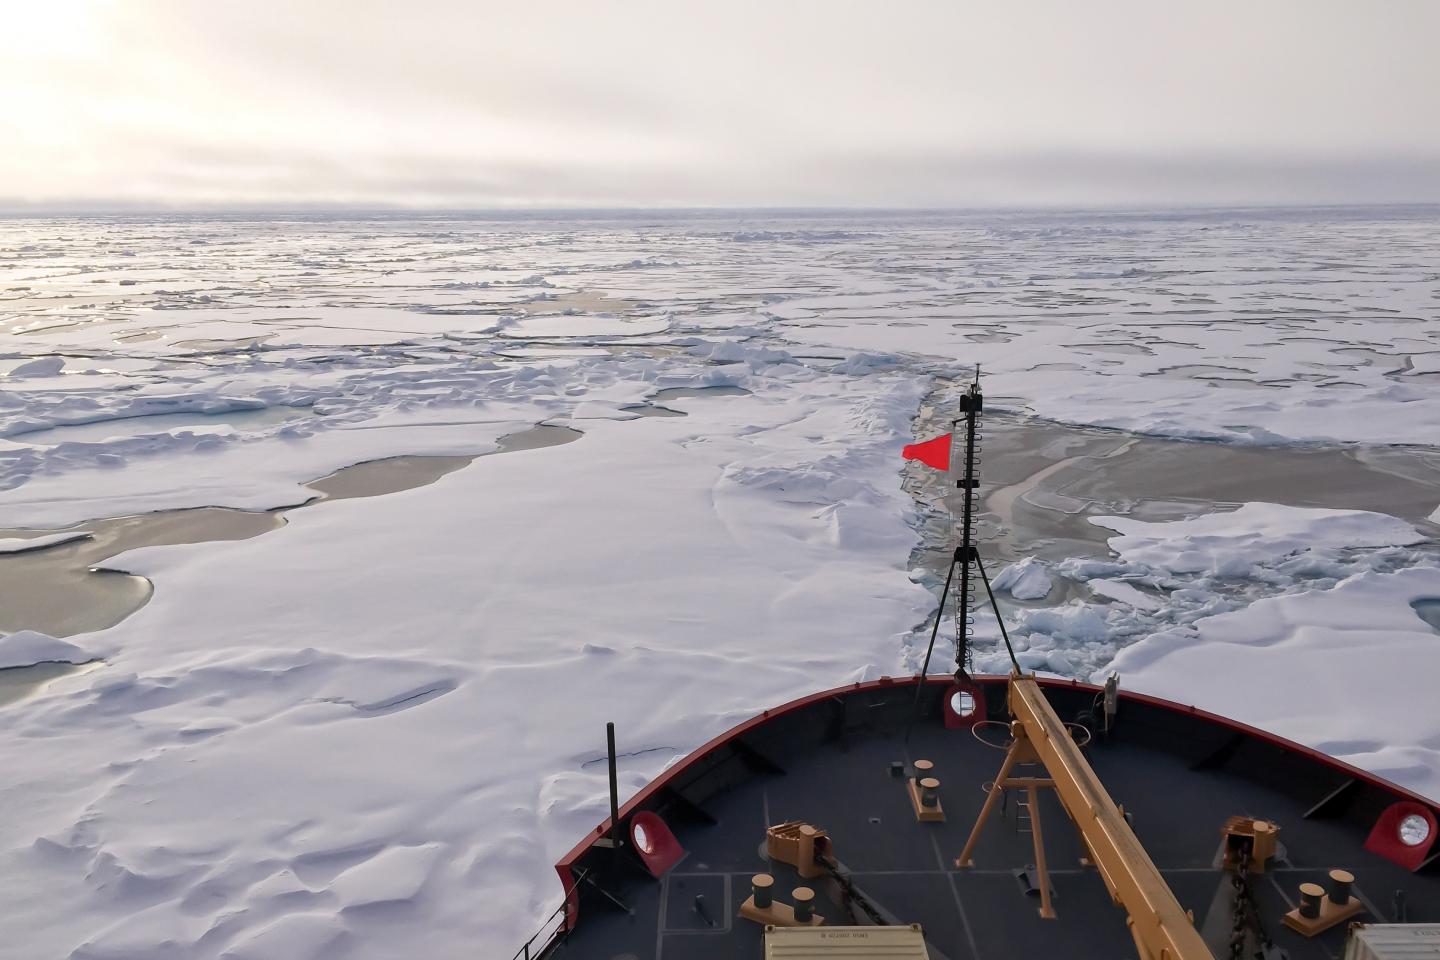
[964, 706]
[654, 842]
[1404, 834]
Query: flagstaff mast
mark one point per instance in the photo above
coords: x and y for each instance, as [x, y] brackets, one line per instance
[972, 402]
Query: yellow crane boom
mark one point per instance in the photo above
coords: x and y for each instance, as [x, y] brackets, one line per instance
[1162, 929]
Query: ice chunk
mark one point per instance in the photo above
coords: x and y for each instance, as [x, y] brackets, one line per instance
[730, 352]
[22, 544]
[42, 367]
[1073, 623]
[1028, 579]
[860, 364]
[26, 648]
[1125, 593]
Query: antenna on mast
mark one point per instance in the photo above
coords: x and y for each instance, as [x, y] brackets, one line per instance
[972, 405]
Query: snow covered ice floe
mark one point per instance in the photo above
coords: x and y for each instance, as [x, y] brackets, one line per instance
[1297, 620]
[1349, 671]
[311, 734]
[458, 409]
[1233, 544]
[1169, 574]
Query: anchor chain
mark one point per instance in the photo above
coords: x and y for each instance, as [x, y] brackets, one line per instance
[1246, 919]
[853, 897]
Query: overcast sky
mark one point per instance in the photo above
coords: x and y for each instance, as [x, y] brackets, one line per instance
[471, 103]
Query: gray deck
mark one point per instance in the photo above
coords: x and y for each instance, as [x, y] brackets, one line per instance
[845, 786]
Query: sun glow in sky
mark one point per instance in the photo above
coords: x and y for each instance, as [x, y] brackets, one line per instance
[635, 103]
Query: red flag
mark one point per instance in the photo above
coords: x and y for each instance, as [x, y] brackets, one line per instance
[933, 453]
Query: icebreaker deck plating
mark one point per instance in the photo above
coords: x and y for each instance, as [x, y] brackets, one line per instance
[1177, 771]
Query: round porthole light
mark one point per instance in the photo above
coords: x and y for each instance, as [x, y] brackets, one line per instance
[641, 838]
[962, 702]
[1414, 830]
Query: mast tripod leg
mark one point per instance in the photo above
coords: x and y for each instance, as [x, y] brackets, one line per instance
[995, 606]
[965, 860]
[934, 632]
[1042, 875]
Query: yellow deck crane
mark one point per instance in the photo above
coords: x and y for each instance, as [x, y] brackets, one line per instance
[1163, 930]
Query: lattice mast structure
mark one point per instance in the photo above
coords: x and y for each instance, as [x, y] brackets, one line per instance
[967, 555]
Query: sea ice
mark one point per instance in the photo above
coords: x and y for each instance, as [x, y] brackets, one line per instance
[1300, 664]
[1233, 544]
[396, 699]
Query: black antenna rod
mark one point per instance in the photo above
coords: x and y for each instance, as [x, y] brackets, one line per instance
[614, 789]
[972, 402]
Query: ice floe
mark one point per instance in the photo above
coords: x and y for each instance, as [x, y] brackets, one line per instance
[1232, 544]
[1299, 663]
[1170, 575]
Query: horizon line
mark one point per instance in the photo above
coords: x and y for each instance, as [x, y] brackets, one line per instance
[112, 209]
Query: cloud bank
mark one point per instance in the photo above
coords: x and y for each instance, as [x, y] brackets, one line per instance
[635, 104]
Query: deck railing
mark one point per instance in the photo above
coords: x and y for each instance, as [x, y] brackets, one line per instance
[549, 927]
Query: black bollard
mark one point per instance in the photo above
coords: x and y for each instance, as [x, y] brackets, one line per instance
[1340, 881]
[761, 886]
[804, 904]
[1310, 894]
